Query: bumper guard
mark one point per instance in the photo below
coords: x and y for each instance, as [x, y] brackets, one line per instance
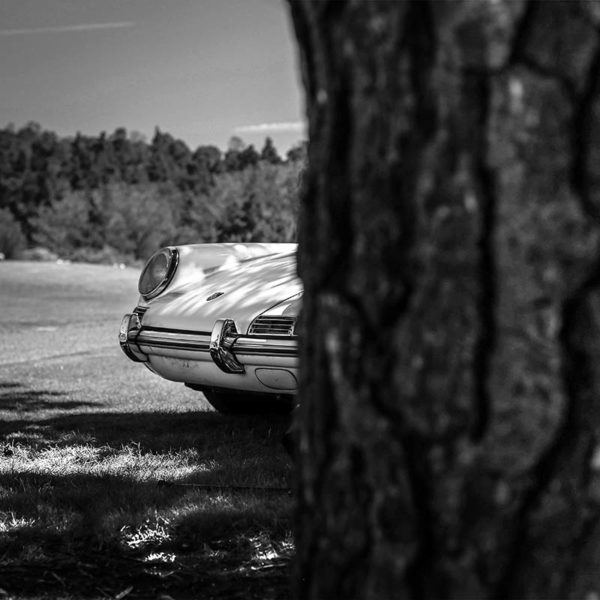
[222, 339]
[130, 327]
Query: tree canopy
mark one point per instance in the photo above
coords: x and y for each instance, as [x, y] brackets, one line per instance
[118, 197]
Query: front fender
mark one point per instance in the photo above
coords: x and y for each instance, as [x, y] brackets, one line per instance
[196, 260]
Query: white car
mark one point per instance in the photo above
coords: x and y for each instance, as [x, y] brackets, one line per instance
[220, 318]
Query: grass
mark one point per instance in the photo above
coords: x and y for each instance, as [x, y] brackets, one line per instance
[113, 482]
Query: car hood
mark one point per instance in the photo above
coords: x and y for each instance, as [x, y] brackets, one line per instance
[241, 292]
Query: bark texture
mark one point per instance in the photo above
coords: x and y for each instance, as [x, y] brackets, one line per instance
[450, 231]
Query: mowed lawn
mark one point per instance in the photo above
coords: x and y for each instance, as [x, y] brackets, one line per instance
[113, 482]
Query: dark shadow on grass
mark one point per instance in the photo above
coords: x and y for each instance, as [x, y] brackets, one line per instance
[153, 432]
[27, 403]
[219, 552]
[18, 397]
[212, 532]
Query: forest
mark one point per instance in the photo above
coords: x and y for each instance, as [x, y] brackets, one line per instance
[115, 198]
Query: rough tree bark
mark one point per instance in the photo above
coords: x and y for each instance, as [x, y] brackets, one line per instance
[450, 230]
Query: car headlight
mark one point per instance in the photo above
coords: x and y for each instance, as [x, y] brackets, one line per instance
[158, 272]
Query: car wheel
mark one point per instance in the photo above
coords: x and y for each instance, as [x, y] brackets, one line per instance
[238, 403]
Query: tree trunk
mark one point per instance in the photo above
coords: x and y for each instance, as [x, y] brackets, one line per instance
[449, 231]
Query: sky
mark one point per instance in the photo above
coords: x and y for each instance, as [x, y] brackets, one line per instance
[202, 70]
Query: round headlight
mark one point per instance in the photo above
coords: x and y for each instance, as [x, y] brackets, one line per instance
[158, 272]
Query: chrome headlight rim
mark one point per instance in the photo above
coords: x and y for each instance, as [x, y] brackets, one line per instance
[172, 257]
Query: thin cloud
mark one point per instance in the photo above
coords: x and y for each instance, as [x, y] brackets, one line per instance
[67, 28]
[295, 126]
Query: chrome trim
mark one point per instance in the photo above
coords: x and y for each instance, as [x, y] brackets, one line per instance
[224, 335]
[224, 344]
[279, 325]
[128, 333]
[266, 346]
[200, 342]
[175, 339]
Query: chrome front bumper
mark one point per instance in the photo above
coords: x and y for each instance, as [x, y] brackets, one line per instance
[228, 349]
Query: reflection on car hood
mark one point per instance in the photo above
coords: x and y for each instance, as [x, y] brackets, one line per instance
[246, 290]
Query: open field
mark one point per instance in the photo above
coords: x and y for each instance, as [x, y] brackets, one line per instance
[113, 482]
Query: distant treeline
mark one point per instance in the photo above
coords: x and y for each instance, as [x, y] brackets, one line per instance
[117, 198]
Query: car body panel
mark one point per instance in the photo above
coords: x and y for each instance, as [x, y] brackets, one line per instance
[247, 289]
[198, 260]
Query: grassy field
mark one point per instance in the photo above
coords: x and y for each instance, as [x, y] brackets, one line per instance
[113, 482]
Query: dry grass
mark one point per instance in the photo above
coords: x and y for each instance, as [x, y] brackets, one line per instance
[114, 483]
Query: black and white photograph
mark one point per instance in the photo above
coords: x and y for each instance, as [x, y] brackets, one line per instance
[299, 300]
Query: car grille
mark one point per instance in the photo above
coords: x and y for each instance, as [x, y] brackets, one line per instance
[272, 326]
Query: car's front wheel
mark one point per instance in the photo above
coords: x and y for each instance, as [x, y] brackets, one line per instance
[240, 403]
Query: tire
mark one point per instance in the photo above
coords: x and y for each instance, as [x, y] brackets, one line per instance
[240, 403]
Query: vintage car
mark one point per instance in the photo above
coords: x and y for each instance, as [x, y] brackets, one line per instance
[220, 318]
